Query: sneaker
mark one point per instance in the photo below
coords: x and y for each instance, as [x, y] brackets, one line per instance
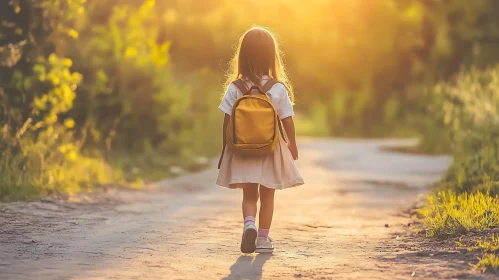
[264, 245]
[249, 236]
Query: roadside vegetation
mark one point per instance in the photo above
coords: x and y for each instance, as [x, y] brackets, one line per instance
[490, 248]
[89, 97]
[100, 92]
[466, 200]
[487, 244]
[106, 92]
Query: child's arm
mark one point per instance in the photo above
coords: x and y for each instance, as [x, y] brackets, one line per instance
[289, 127]
[226, 123]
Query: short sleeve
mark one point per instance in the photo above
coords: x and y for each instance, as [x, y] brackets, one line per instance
[228, 100]
[284, 105]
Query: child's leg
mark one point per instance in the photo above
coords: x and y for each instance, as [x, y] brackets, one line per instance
[250, 199]
[266, 210]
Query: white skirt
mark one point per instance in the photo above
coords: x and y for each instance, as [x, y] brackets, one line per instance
[274, 171]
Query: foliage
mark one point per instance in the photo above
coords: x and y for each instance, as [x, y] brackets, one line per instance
[448, 213]
[38, 151]
[50, 163]
[63, 128]
[488, 262]
[134, 84]
[337, 67]
[465, 113]
[487, 246]
[131, 89]
[353, 60]
[467, 109]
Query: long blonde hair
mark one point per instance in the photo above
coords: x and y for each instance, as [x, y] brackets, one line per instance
[258, 54]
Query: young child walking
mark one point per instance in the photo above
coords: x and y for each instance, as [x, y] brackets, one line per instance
[257, 66]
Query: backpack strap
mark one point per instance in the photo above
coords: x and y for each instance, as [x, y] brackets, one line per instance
[269, 84]
[241, 85]
[266, 87]
[281, 129]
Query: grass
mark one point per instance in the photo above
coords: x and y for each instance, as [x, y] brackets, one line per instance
[448, 214]
[488, 262]
[29, 177]
[488, 246]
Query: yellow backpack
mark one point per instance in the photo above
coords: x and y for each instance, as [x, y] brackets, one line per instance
[254, 127]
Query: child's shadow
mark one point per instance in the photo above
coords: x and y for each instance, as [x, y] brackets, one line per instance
[246, 267]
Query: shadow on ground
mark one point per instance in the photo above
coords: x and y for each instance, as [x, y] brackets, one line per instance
[248, 267]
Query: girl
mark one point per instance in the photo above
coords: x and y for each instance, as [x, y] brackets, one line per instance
[258, 59]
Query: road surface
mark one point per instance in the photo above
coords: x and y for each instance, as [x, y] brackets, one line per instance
[346, 222]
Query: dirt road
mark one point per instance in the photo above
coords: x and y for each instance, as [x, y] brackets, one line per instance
[187, 228]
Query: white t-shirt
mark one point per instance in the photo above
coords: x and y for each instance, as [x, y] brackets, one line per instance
[278, 95]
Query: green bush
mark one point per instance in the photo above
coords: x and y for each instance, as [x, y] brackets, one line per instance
[468, 109]
[115, 102]
[39, 153]
[49, 163]
[132, 102]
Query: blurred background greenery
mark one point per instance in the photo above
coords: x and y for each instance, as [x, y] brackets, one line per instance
[96, 92]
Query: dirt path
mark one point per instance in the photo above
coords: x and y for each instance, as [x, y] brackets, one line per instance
[187, 228]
